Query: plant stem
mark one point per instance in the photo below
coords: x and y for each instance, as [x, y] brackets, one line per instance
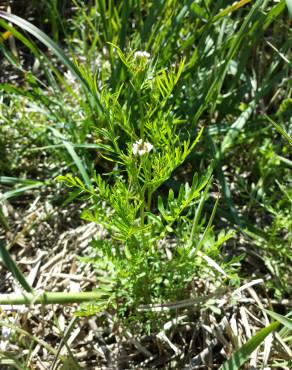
[149, 200]
[142, 217]
[48, 298]
[141, 113]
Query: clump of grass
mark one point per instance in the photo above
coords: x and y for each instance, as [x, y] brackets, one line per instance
[146, 119]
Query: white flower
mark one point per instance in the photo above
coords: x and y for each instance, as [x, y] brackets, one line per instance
[107, 65]
[71, 79]
[141, 55]
[140, 147]
[5, 335]
[6, 332]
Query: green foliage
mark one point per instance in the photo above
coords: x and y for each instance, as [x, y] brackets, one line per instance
[146, 107]
[149, 252]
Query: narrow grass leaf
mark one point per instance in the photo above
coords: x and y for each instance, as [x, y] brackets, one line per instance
[47, 41]
[207, 229]
[20, 37]
[244, 353]
[282, 319]
[237, 5]
[12, 267]
[237, 126]
[7, 180]
[223, 182]
[280, 130]
[19, 191]
[65, 337]
[78, 162]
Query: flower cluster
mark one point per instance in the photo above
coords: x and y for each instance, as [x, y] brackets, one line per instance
[71, 79]
[141, 55]
[140, 147]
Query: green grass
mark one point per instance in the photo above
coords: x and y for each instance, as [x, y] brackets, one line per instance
[208, 105]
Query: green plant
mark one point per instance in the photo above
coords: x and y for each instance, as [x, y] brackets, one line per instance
[150, 251]
[155, 243]
[121, 109]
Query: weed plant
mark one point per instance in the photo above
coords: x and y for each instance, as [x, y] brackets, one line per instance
[157, 240]
[150, 105]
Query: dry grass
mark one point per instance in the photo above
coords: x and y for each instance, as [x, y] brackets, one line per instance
[45, 241]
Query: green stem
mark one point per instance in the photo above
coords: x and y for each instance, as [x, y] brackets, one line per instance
[142, 216]
[149, 200]
[49, 298]
[141, 113]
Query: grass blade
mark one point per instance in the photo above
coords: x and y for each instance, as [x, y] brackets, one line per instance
[282, 319]
[224, 184]
[235, 6]
[19, 191]
[7, 180]
[207, 229]
[237, 126]
[280, 130]
[33, 338]
[41, 36]
[65, 337]
[12, 267]
[243, 354]
[47, 41]
[78, 162]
